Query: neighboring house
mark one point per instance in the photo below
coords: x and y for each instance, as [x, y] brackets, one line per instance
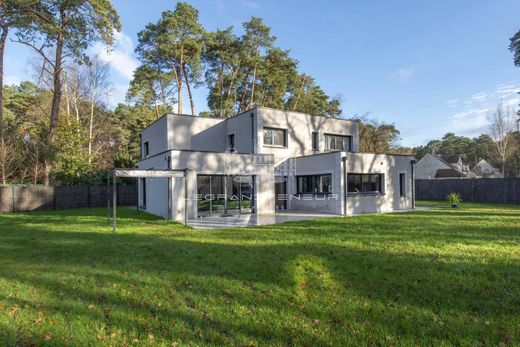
[486, 170]
[264, 160]
[435, 166]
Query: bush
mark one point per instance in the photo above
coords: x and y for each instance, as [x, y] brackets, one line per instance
[454, 198]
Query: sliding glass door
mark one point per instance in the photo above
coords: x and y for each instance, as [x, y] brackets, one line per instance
[224, 195]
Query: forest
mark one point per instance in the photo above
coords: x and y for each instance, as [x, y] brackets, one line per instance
[58, 128]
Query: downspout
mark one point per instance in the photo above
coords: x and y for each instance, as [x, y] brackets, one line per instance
[252, 132]
[412, 162]
[344, 161]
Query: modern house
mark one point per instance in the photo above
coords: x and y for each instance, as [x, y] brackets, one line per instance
[266, 160]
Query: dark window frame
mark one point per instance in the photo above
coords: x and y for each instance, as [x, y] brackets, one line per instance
[313, 181]
[349, 137]
[231, 141]
[402, 184]
[360, 182]
[285, 140]
[146, 149]
[315, 141]
[143, 191]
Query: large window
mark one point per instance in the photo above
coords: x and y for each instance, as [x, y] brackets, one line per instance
[223, 195]
[365, 183]
[314, 184]
[275, 137]
[338, 142]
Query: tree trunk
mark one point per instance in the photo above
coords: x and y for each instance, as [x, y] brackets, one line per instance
[179, 86]
[233, 75]
[252, 97]
[192, 105]
[91, 126]
[304, 78]
[55, 107]
[243, 99]
[156, 109]
[3, 38]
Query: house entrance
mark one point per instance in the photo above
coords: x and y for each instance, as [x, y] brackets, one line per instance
[220, 195]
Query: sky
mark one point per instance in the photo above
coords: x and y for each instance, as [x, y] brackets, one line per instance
[430, 67]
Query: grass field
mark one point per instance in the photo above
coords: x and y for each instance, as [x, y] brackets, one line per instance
[436, 277]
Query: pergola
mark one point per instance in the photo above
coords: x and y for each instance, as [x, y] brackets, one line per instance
[141, 173]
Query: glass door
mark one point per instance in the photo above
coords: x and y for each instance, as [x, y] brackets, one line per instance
[224, 195]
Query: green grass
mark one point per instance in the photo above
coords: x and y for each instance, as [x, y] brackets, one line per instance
[436, 277]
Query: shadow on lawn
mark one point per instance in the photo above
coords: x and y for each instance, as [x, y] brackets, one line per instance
[81, 268]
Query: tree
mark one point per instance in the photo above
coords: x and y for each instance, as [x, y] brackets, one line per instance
[376, 136]
[502, 127]
[129, 121]
[172, 47]
[10, 17]
[69, 27]
[514, 46]
[257, 37]
[222, 58]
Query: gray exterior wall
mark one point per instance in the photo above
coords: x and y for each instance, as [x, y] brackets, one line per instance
[327, 163]
[158, 136]
[390, 166]
[203, 163]
[174, 131]
[427, 167]
[299, 128]
[156, 188]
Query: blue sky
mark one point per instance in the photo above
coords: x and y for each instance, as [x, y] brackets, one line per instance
[429, 66]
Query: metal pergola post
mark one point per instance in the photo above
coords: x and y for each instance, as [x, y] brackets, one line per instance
[114, 201]
[140, 173]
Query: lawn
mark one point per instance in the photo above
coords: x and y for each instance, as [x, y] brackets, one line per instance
[436, 277]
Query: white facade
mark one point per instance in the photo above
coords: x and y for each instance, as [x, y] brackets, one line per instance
[293, 161]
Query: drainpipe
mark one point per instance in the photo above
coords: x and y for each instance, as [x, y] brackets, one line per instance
[344, 161]
[412, 162]
[252, 132]
[186, 196]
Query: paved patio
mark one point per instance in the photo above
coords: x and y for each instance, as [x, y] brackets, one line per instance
[245, 220]
[237, 221]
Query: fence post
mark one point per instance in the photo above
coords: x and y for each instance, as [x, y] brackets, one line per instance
[12, 197]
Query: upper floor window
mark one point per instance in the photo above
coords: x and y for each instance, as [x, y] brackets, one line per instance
[315, 141]
[338, 143]
[146, 150]
[275, 137]
[365, 183]
[231, 141]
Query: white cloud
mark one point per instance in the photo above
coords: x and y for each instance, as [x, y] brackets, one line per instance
[452, 102]
[120, 57]
[480, 97]
[513, 102]
[506, 90]
[404, 74]
[469, 123]
[117, 94]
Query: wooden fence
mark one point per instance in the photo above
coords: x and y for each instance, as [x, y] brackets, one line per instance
[492, 190]
[23, 199]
